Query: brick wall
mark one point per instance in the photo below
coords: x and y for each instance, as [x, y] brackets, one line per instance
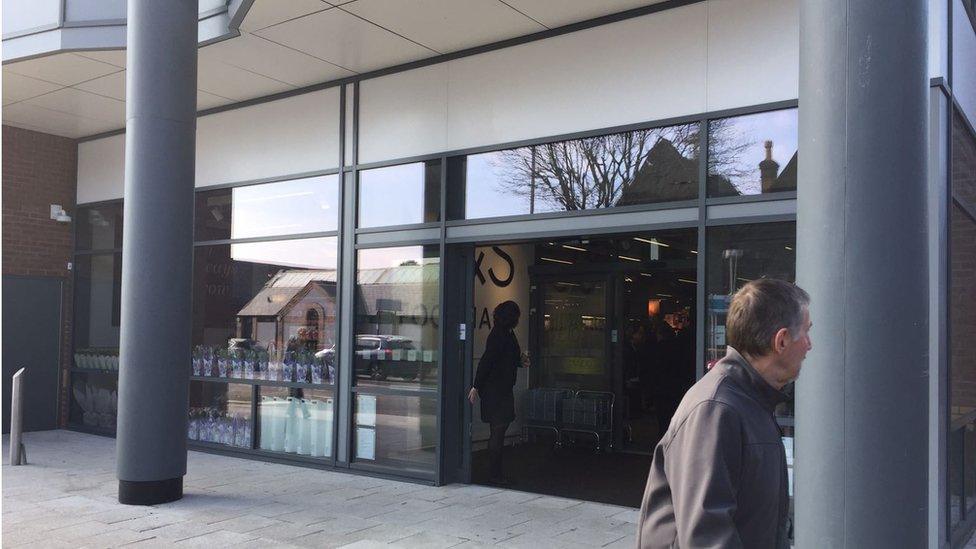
[38, 170]
[963, 271]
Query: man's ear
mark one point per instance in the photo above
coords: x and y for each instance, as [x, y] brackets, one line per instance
[781, 340]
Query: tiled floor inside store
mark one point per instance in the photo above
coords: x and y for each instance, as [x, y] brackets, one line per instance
[66, 497]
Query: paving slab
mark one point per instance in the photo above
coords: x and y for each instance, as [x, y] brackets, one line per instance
[66, 497]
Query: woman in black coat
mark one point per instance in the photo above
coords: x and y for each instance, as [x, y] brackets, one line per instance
[497, 371]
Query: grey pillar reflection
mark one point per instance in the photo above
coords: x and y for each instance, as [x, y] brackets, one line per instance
[157, 251]
[862, 399]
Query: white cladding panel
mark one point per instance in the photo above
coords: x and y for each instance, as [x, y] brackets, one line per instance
[403, 114]
[938, 38]
[100, 169]
[293, 135]
[640, 69]
[753, 52]
[288, 136]
[964, 61]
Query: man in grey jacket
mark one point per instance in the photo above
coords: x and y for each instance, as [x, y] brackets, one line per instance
[718, 477]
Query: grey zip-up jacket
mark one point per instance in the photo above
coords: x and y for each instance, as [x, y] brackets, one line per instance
[718, 478]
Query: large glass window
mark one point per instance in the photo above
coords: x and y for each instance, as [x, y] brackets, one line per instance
[94, 401]
[99, 227]
[97, 303]
[220, 413]
[623, 169]
[400, 195]
[962, 326]
[736, 255]
[270, 209]
[396, 430]
[752, 154]
[266, 311]
[397, 348]
[296, 421]
[397, 317]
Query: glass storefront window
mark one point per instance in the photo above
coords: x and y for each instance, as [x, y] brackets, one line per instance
[97, 310]
[400, 195]
[624, 169]
[99, 227]
[752, 154]
[397, 317]
[396, 430]
[271, 209]
[94, 400]
[736, 255]
[266, 311]
[296, 421]
[962, 326]
[220, 413]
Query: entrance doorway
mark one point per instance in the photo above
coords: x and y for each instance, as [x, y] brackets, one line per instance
[607, 325]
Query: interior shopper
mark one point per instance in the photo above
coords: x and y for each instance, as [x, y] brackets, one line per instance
[493, 383]
[718, 476]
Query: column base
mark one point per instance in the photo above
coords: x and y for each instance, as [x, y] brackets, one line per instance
[150, 492]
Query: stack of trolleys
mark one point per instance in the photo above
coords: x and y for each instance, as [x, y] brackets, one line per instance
[542, 409]
[589, 412]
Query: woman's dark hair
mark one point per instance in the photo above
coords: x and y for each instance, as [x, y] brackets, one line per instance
[506, 315]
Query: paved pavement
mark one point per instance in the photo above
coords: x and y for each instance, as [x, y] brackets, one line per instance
[66, 497]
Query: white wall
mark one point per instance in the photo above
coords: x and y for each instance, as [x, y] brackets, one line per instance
[702, 57]
[293, 135]
[100, 169]
[289, 136]
[964, 61]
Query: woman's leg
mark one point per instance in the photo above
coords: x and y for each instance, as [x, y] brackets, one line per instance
[496, 442]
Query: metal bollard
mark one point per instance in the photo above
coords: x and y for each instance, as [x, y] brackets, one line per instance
[18, 454]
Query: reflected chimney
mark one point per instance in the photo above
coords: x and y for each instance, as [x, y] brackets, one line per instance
[768, 169]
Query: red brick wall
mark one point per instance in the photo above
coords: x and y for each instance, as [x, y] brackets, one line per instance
[38, 170]
[963, 272]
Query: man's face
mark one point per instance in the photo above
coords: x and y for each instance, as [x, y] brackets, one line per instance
[797, 347]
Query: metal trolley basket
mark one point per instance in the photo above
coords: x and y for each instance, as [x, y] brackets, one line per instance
[590, 412]
[542, 409]
[564, 411]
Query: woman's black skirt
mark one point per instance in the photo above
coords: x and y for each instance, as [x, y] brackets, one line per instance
[498, 407]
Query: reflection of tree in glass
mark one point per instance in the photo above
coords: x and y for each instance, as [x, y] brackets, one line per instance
[726, 145]
[638, 167]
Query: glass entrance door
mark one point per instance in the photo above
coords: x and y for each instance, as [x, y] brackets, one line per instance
[573, 343]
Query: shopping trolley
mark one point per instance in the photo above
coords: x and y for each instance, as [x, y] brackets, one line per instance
[542, 409]
[589, 412]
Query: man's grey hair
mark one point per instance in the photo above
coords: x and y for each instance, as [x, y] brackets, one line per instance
[759, 310]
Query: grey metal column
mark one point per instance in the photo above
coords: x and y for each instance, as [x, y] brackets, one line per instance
[862, 399]
[157, 253]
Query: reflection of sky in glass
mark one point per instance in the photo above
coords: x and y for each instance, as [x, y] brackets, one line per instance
[287, 207]
[780, 127]
[391, 196]
[381, 258]
[485, 195]
[306, 253]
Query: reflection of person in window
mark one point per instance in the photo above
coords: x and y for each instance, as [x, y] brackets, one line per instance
[496, 376]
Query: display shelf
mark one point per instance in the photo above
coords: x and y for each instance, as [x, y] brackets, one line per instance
[262, 382]
[93, 371]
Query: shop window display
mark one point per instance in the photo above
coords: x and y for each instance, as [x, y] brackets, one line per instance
[266, 311]
[220, 413]
[296, 421]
